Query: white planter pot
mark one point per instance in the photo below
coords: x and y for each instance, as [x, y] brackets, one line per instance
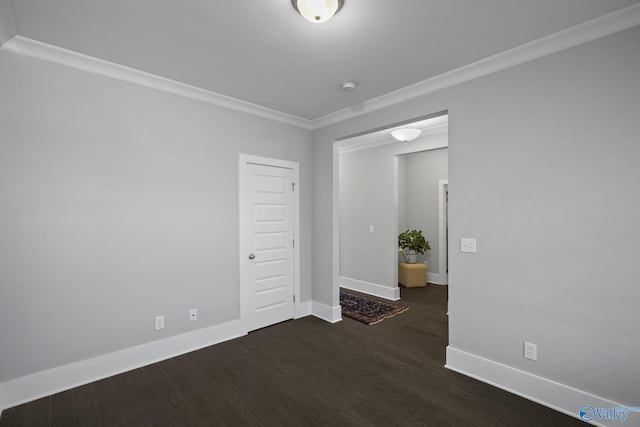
[412, 257]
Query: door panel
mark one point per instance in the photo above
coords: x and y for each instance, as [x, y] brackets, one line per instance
[268, 278]
[270, 241]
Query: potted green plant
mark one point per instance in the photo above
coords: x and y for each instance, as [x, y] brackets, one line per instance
[411, 243]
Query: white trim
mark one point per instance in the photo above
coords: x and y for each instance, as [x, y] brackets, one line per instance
[377, 139]
[300, 308]
[392, 243]
[31, 387]
[7, 25]
[366, 144]
[267, 161]
[561, 397]
[434, 278]
[442, 252]
[614, 22]
[36, 49]
[325, 312]
[335, 230]
[374, 289]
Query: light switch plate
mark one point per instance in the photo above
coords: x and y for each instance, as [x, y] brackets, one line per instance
[468, 245]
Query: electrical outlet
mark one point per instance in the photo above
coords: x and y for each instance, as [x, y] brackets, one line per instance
[530, 351]
[159, 322]
[372, 229]
[193, 314]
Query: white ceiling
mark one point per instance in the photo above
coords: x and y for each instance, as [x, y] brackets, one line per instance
[263, 52]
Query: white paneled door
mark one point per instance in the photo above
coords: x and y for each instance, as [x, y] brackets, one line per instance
[267, 244]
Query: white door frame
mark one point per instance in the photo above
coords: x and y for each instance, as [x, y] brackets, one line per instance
[442, 224]
[245, 291]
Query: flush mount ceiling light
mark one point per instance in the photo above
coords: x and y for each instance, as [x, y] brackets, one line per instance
[349, 86]
[317, 11]
[406, 134]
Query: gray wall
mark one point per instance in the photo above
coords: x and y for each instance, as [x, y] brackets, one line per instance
[119, 203]
[543, 171]
[367, 181]
[402, 194]
[422, 173]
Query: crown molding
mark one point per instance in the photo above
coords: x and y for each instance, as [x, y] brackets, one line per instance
[36, 49]
[607, 24]
[611, 23]
[7, 26]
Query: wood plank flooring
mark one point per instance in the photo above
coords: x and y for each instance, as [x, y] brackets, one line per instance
[302, 373]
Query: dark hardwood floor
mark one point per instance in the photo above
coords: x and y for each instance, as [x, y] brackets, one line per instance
[302, 373]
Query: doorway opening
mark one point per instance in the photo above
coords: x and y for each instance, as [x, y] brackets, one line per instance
[366, 216]
[420, 175]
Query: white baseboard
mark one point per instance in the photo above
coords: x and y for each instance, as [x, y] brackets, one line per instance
[326, 312]
[374, 289]
[434, 278]
[40, 384]
[34, 386]
[560, 397]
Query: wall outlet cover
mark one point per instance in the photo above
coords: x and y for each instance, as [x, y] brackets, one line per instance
[530, 351]
[159, 322]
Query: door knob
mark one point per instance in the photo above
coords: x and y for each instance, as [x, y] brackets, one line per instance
[251, 256]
